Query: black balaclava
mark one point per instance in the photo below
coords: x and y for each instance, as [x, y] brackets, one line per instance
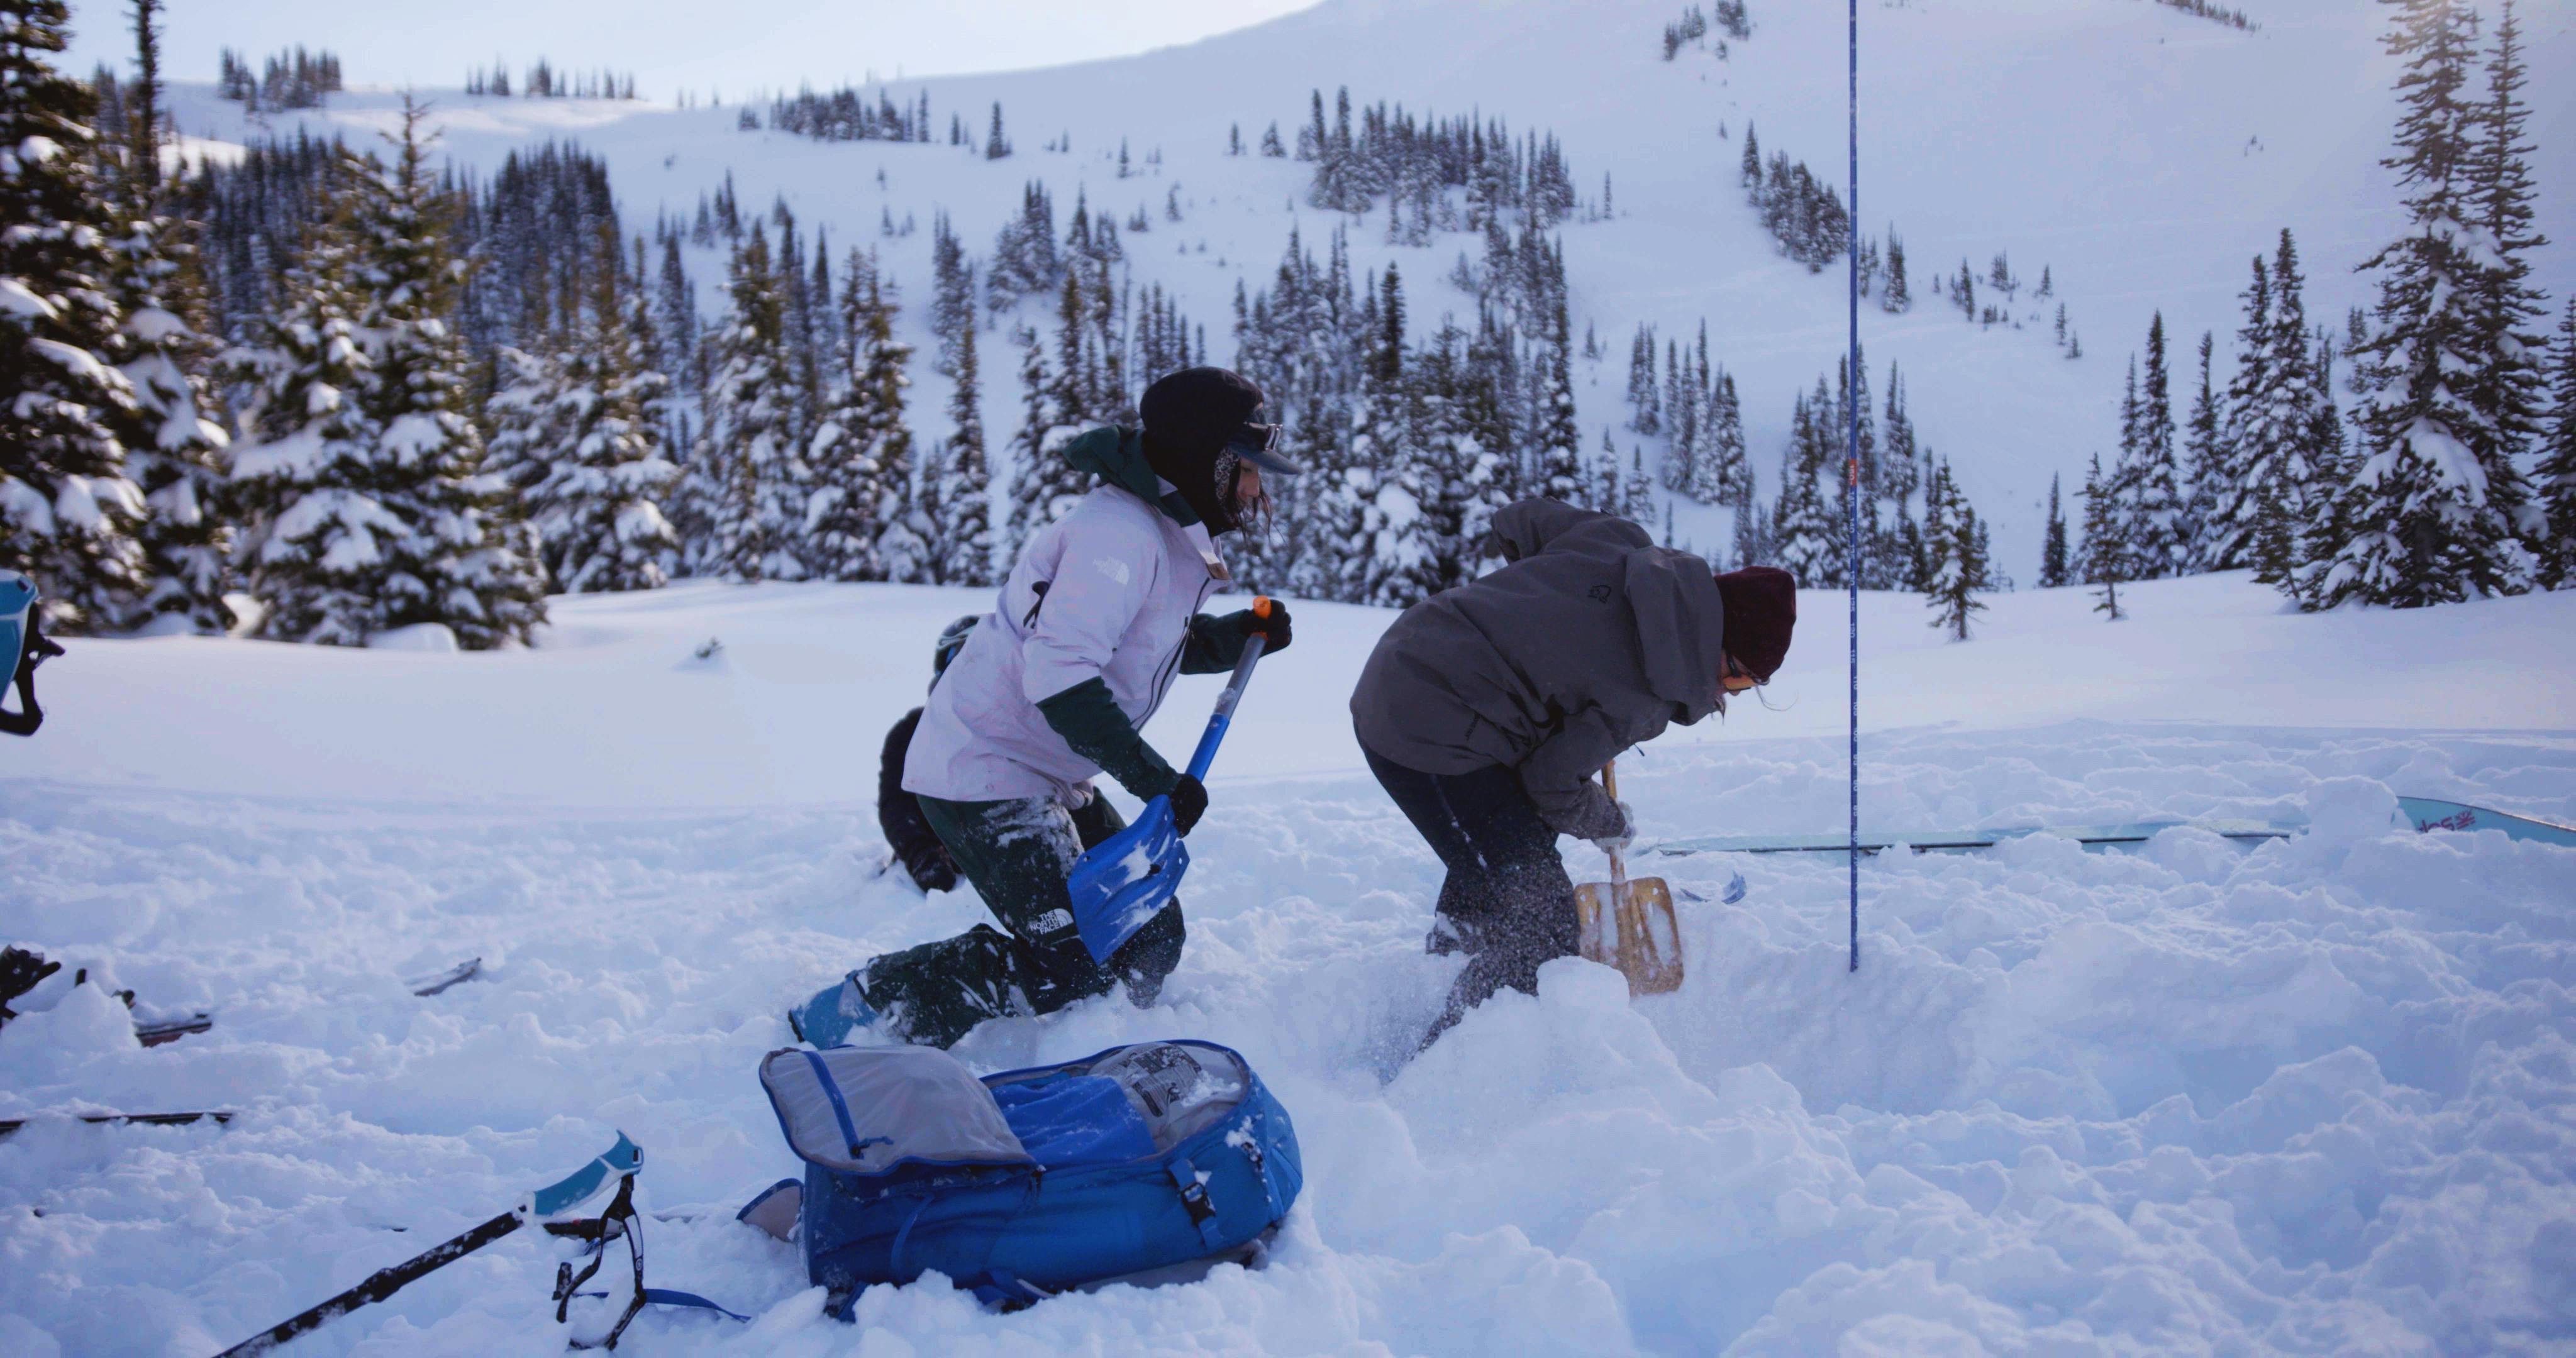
[1190, 417]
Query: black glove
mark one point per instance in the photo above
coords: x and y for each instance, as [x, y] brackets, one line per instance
[39, 648]
[932, 870]
[1189, 802]
[1274, 627]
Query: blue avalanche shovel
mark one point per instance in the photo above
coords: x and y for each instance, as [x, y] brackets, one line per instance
[1121, 881]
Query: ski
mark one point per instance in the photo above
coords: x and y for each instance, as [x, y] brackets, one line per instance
[171, 1030]
[1955, 841]
[618, 1163]
[165, 1031]
[9, 1126]
[2426, 814]
[459, 974]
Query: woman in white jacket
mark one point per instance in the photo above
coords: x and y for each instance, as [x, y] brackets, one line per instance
[1099, 615]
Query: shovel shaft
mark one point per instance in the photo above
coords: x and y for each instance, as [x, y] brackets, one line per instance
[1618, 858]
[1218, 720]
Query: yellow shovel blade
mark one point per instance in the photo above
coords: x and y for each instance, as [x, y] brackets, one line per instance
[1637, 933]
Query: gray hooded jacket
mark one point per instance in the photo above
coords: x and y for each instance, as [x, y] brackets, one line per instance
[1592, 640]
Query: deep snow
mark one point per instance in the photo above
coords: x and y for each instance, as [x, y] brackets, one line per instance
[2315, 1097]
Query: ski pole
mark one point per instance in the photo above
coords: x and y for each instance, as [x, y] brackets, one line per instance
[619, 1161]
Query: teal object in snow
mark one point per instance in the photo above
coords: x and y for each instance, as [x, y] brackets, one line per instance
[2424, 813]
[835, 1012]
[17, 596]
[2090, 836]
[2427, 814]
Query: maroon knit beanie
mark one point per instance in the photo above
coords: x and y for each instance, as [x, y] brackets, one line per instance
[1761, 611]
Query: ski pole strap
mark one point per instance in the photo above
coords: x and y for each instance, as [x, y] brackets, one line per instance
[668, 1296]
[671, 1296]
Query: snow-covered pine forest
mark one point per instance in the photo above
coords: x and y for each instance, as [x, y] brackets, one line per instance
[572, 395]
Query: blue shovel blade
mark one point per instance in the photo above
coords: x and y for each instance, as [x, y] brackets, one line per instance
[1121, 881]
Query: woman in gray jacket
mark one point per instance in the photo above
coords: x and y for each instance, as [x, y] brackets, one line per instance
[1486, 711]
[1051, 690]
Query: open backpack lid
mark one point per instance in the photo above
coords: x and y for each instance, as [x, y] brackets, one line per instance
[867, 1110]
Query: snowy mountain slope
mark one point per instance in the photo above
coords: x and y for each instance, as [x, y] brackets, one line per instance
[2310, 1098]
[2142, 154]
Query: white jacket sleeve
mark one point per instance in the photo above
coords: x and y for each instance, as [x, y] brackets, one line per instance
[1101, 583]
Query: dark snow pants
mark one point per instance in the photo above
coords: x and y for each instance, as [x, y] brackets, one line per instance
[1017, 854]
[1506, 902]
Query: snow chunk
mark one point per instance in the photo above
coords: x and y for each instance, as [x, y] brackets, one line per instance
[434, 638]
[2344, 811]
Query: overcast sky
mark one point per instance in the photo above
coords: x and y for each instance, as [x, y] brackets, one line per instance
[732, 45]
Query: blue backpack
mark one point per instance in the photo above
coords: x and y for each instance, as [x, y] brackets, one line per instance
[1131, 1161]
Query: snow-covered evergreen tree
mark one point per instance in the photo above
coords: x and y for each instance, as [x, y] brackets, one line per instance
[1558, 444]
[857, 523]
[315, 537]
[174, 445]
[2436, 500]
[2149, 477]
[2510, 384]
[1806, 537]
[2106, 555]
[1723, 473]
[1751, 541]
[68, 508]
[2052, 542]
[368, 503]
[1688, 407]
[2206, 459]
[952, 293]
[1895, 297]
[1024, 262]
[675, 310]
[1468, 481]
[1042, 486]
[459, 566]
[1400, 547]
[1959, 565]
[2326, 524]
[877, 363]
[2556, 473]
[2261, 494]
[754, 476]
[1645, 397]
[957, 481]
[596, 502]
[1636, 493]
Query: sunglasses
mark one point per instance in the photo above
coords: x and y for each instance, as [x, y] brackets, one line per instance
[1737, 679]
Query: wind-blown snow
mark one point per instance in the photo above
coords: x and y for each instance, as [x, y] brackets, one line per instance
[2314, 1097]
